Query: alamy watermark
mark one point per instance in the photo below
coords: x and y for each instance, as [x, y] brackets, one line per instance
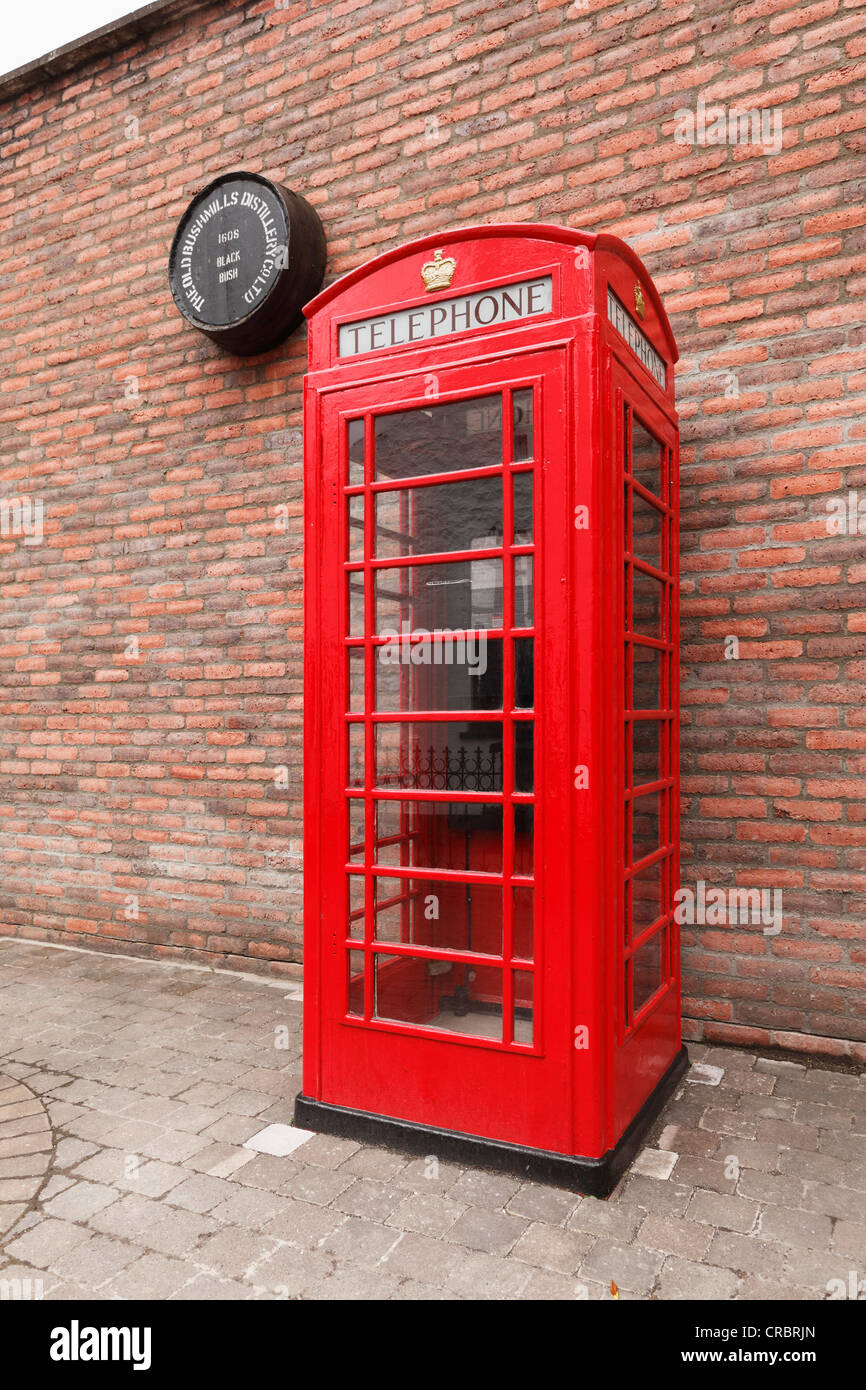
[713, 124]
[418, 647]
[22, 517]
[729, 907]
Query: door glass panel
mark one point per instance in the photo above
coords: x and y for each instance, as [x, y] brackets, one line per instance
[356, 526]
[522, 425]
[441, 672]
[646, 531]
[646, 897]
[440, 835]
[355, 657]
[441, 994]
[459, 595]
[356, 828]
[522, 483]
[522, 924]
[646, 677]
[355, 580]
[523, 988]
[458, 756]
[646, 826]
[356, 983]
[439, 438]
[647, 970]
[523, 591]
[524, 673]
[647, 604]
[524, 774]
[437, 913]
[356, 755]
[432, 520]
[356, 452]
[646, 458]
[524, 836]
[646, 751]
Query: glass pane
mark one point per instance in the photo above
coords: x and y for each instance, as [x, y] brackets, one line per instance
[445, 516]
[522, 926]
[356, 828]
[523, 986]
[646, 454]
[646, 897]
[356, 526]
[524, 775]
[647, 604]
[440, 835]
[356, 755]
[646, 826]
[647, 970]
[522, 424]
[439, 438]
[439, 673]
[523, 591]
[524, 673]
[646, 677]
[462, 594]
[524, 836]
[356, 906]
[458, 756]
[522, 508]
[356, 453]
[356, 984]
[437, 913]
[356, 603]
[440, 994]
[355, 657]
[646, 751]
[646, 531]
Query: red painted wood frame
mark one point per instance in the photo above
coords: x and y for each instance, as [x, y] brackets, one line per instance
[424, 1001]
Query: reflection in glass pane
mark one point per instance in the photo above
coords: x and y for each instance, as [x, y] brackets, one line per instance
[522, 508]
[523, 987]
[440, 835]
[522, 927]
[464, 594]
[524, 774]
[356, 906]
[522, 424]
[356, 526]
[647, 970]
[433, 520]
[440, 994]
[356, 452]
[646, 896]
[646, 452]
[355, 656]
[356, 984]
[356, 828]
[437, 913]
[524, 834]
[355, 580]
[646, 531]
[457, 755]
[524, 672]
[523, 591]
[356, 755]
[646, 677]
[439, 673]
[647, 604]
[646, 751]
[439, 438]
[646, 826]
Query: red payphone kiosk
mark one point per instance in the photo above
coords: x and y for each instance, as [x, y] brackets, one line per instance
[491, 760]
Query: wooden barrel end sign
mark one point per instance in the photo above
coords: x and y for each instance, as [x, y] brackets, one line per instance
[247, 255]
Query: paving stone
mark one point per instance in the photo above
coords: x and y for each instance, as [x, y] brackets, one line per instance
[249, 1207]
[303, 1224]
[716, 1209]
[674, 1236]
[706, 1173]
[151, 1277]
[814, 1167]
[785, 1227]
[616, 1220]
[775, 1066]
[379, 1164]
[319, 1185]
[755, 1289]
[833, 1201]
[428, 1174]
[326, 1151]
[47, 1242]
[475, 1188]
[291, 1273]
[548, 1287]
[747, 1153]
[234, 1252]
[80, 1201]
[552, 1248]
[96, 1261]
[37, 1143]
[201, 1193]
[19, 1189]
[361, 1241]
[628, 1266]
[537, 1202]
[27, 1166]
[787, 1134]
[349, 1283]
[684, 1279]
[178, 1233]
[746, 1255]
[483, 1276]
[494, 1232]
[648, 1194]
[423, 1258]
[849, 1238]
[728, 1122]
[813, 1269]
[655, 1163]
[205, 1288]
[781, 1190]
[129, 1217]
[428, 1213]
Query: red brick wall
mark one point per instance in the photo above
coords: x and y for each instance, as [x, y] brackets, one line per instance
[138, 803]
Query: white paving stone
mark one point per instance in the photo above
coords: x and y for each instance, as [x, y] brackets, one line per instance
[278, 1140]
[655, 1163]
[702, 1074]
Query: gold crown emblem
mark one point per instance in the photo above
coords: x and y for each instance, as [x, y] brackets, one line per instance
[639, 301]
[438, 274]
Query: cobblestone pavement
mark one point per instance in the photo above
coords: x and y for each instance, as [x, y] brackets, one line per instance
[155, 1078]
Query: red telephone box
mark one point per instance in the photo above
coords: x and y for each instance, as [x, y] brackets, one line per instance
[491, 760]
